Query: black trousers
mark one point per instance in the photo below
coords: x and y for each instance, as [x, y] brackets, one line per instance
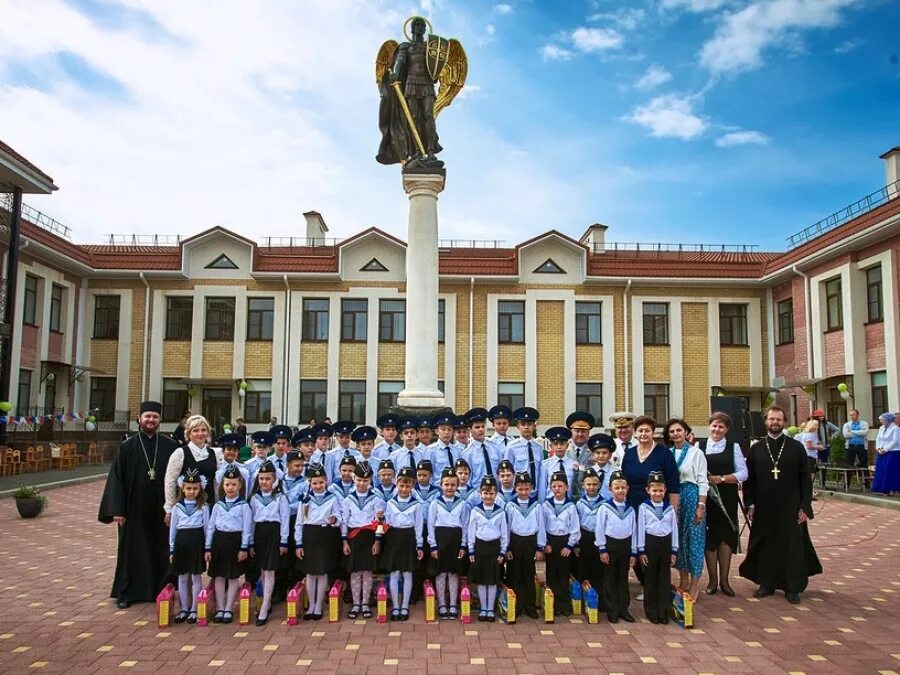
[590, 568]
[657, 577]
[558, 573]
[615, 579]
[520, 570]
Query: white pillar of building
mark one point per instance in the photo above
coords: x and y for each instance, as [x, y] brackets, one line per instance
[420, 387]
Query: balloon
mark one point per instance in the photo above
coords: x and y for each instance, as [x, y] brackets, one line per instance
[844, 394]
[842, 387]
[91, 419]
[242, 393]
[243, 385]
[90, 426]
[5, 406]
[792, 430]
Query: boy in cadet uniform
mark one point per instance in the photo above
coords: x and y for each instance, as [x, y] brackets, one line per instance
[304, 442]
[461, 432]
[294, 485]
[322, 433]
[342, 434]
[229, 444]
[388, 445]
[262, 442]
[443, 453]
[409, 453]
[614, 536]
[343, 485]
[425, 489]
[499, 416]
[281, 433]
[527, 539]
[482, 455]
[506, 483]
[563, 534]
[656, 535]
[559, 461]
[601, 446]
[587, 563]
[386, 487]
[525, 452]
[425, 433]
[364, 438]
[465, 488]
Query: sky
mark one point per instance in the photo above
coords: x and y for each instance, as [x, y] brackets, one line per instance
[694, 121]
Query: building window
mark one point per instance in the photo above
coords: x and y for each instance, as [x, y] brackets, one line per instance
[352, 400]
[179, 317]
[260, 318]
[387, 394]
[587, 323]
[873, 293]
[313, 400]
[175, 400]
[56, 305]
[220, 318]
[354, 316]
[785, 310]
[392, 320]
[656, 323]
[511, 394]
[834, 310]
[24, 398]
[442, 320]
[589, 397]
[733, 325]
[29, 312]
[656, 401]
[879, 396]
[258, 403]
[511, 321]
[315, 320]
[103, 398]
[106, 317]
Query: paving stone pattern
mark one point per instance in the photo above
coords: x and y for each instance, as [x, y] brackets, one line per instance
[56, 617]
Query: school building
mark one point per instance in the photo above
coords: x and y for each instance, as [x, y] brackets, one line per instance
[311, 326]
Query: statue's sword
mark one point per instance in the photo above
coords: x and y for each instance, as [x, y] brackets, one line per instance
[409, 117]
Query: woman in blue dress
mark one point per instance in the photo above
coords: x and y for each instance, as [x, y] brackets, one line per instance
[887, 461]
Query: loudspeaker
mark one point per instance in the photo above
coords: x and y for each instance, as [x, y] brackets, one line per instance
[739, 432]
[757, 426]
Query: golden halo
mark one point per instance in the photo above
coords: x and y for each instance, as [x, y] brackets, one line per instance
[409, 21]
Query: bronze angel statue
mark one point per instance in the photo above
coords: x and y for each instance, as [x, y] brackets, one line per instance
[406, 75]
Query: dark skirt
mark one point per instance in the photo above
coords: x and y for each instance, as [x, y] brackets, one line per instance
[321, 548]
[449, 541]
[398, 552]
[224, 562]
[188, 556]
[266, 542]
[361, 558]
[718, 529]
[486, 570]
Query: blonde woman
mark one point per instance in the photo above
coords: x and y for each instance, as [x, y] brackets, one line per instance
[197, 454]
[811, 443]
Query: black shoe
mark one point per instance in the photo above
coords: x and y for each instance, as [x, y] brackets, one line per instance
[404, 615]
[727, 590]
[308, 616]
[366, 612]
[261, 621]
[395, 615]
[227, 617]
[712, 590]
[181, 617]
[625, 616]
[442, 612]
[613, 618]
[123, 604]
[664, 620]
[217, 617]
[482, 616]
[652, 619]
[793, 598]
[532, 612]
[316, 617]
[453, 613]
[763, 592]
[354, 612]
[565, 612]
[192, 617]
[490, 618]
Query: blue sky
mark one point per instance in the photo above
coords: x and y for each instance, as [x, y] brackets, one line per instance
[714, 121]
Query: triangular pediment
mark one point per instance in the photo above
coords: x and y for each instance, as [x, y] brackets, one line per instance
[374, 265]
[549, 267]
[223, 262]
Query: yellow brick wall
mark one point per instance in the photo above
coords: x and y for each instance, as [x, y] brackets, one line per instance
[696, 362]
[550, 352]
[136, 349]
[258, 360]
[462, 344]
[441, 359]
[352, 364]
[314, 360]
[589, 362]
[512, 363]
[391, 361]
[218, 360]
[105, 355]
[657, 363]
[735, 366]
[176, 358]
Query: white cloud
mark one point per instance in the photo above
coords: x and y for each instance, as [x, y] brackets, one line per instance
[503, 8]
[848, 46]
[735, 138]
[488, 36]
[692, 5]
[590, 40]
[669, 116]
[626, 19]
[552, 52]
[654, 77]
[743, 36]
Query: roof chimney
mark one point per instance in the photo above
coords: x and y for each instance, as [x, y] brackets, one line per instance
[316, 229]
[892, 170]
[595, 238]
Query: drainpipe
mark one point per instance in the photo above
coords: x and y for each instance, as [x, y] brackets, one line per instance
[471, 336]
[286, 350]
[626, 344]
[808, 317]
[146, 334]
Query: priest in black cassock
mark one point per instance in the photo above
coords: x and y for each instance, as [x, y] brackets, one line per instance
[778, 495]
[134, 499]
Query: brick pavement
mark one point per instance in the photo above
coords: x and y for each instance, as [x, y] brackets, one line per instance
[56, 617]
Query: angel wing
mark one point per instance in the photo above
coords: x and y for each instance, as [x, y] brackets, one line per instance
[384, 60]
[452, 77]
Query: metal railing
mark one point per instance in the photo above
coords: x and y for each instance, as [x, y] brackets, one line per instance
[845, 214]
[45, 222]
[660, 247]
[471, 243]
[143, 239]
[298, 242]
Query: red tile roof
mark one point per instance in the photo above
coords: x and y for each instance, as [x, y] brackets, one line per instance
[478, 261]
[674, 264]
[23, 160]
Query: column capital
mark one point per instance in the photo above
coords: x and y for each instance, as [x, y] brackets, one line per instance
[429, 183]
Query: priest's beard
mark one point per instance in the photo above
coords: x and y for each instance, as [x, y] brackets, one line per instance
[774, 427]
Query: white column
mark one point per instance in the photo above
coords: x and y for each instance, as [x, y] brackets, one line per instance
[422, 291]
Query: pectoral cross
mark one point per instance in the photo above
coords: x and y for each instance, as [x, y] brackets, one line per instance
[152, 474]
[775, 472]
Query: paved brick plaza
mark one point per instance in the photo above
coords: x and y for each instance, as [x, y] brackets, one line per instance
[56, 616]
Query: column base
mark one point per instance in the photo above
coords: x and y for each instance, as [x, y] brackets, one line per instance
[421, 398]
[417, 411]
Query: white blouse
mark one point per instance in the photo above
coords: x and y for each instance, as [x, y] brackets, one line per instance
[888, 438]
[176, 464]
[693, 468]
[740, 464]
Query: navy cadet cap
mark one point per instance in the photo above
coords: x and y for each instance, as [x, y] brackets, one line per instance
[407, 423]
[656, 477]
[425, 465]
[488, 482]
[618, 474]
[444, 419]
[387, 420]
[526, 414]
[262, 438]
[293, 456]
[476, 415]
[499, 412]
[267, 467]
[523, 477]
[425, 423]
[601, 441]
[229, 440]
[281, 431]
[323, 429]
[559, 476]
[307, 435]
[386, 464]
[344, 427]
[505, 465]
[447, 472]
[406, 472]
[363, 433]
[348, 460]
[460, 422]
[362, 470]
[315, 471]
[232, 473]
[581, 420]
[462, 464]
[558, 434]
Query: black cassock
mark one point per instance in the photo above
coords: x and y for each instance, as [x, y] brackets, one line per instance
[143, 556]
[780, 554]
